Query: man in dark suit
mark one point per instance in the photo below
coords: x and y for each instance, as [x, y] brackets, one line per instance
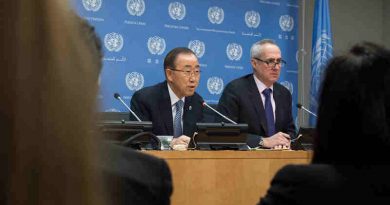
[173, 105]
[259, 101]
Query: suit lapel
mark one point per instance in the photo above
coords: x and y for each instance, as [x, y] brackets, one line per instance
[187, 114]
[278, 104]
[257, 103]
[166, 108]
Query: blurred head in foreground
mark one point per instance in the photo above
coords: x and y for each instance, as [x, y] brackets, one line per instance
[354, 111]
[47, 87]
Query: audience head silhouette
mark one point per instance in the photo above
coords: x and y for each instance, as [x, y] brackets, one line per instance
[354, 111]
[47, 90]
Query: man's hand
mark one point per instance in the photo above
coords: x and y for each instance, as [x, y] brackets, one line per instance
[180, 143]
[279, 140]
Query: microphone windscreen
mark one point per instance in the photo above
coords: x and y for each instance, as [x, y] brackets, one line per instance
[116, 95]
[299, 105]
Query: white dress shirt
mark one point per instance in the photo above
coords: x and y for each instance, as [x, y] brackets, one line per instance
[261, 87]
[174, 99]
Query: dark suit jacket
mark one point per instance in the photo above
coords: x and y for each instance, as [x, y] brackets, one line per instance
[328, 184]
[132, 177]
[241, 101]
[154, 104]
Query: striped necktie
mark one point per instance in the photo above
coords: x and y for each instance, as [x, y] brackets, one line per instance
[177, 129]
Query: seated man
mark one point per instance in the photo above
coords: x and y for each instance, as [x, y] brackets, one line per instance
[173, 105]
[259, 101]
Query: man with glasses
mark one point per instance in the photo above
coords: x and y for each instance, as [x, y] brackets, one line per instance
[259, 101]
[173, 105]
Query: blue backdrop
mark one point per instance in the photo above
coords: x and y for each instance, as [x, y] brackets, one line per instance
[137, 34]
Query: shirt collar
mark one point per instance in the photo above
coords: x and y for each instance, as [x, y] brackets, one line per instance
[260, 85]
[173, 96]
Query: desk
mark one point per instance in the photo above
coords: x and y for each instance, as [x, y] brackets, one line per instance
[225, 177]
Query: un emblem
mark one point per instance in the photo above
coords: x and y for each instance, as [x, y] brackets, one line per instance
[134, 81]
[92, 5]
[215, 85]
[234, 51]
[136, 7]
[216, 15]
[113, 41]
[156, 45]
[177, 11]
[198, 47]
[252, 19]
[286, 22]
[288, 85]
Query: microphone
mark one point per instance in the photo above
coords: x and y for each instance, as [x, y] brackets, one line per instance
[300, 106]
[118, 97]
[220, 114]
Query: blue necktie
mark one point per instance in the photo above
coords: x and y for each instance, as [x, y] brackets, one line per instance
[177, 130]
[269, 113]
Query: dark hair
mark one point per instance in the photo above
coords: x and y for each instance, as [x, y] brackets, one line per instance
[354, 111]
[170, 58]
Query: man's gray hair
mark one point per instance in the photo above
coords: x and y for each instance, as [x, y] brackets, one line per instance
[256, 47]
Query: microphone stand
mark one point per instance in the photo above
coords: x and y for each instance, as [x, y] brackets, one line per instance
[118, 97]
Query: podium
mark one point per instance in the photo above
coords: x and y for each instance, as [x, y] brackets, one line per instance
[225, 177]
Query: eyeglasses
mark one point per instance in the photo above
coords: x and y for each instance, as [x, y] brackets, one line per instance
[188, 73]
[272, 63]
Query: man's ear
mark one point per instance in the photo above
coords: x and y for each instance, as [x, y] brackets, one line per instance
[253, 62]
[169, 75]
